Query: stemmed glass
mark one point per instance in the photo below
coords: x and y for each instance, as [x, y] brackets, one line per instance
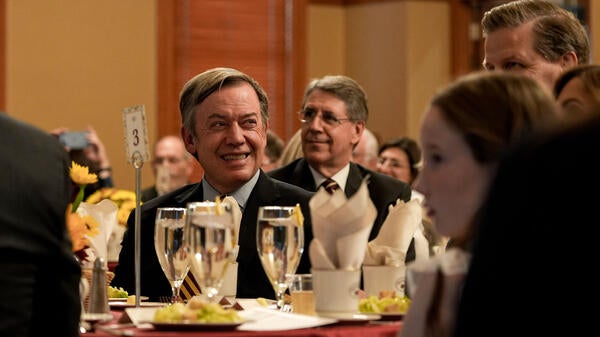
[210, 243]
[280, 243]
[168, 244]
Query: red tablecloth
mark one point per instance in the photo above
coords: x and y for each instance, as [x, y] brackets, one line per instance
[377, 329]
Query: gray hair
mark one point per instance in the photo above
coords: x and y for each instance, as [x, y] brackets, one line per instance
[346, 89]
[196, 90]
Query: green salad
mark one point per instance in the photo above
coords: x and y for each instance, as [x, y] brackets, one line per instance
[374, 304]
[116, 292]
[196, 313]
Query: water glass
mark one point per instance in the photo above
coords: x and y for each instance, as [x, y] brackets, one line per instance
[168, 244]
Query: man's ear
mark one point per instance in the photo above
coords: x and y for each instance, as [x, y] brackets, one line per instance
[359, 128]
[568, 60]
[189, 140]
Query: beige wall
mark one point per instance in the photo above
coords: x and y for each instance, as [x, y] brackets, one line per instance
[399, 58]
[72, 63]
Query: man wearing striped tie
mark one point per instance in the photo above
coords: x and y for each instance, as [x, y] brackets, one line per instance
[225, 121]
[333, 115]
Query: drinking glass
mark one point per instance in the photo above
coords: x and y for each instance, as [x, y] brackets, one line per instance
[168, 244]
[210, 243]
[280, 243]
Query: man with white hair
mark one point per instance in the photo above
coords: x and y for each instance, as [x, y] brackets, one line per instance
[172, 167]
[365, 152]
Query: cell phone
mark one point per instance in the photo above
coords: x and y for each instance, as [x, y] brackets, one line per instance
[74, 140]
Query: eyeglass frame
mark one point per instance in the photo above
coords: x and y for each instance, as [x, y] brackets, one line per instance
[333, 122]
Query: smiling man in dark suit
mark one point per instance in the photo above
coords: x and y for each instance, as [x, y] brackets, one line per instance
[333, 115]
[225, 121]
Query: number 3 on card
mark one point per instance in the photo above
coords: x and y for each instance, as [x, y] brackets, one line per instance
[136, 135]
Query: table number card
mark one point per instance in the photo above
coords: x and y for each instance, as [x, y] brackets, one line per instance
[136, 135]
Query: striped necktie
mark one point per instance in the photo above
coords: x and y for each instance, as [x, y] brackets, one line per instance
[189, 287]
[330, 185]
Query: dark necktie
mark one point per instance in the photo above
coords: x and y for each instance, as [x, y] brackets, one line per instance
[330, 185]
[189, 287]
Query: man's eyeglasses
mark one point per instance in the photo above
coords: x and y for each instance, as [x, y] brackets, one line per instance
[307, 116]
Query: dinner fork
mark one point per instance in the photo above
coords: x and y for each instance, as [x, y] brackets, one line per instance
[166, 299]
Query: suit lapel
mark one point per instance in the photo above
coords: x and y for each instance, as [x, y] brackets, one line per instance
[302, 176]
[267, 194]
[193, 194]
[354, 180]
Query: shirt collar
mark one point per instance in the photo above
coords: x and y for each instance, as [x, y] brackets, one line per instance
[240, 195]
[340, 177]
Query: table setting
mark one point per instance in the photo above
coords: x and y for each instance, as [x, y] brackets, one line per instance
[338, 251]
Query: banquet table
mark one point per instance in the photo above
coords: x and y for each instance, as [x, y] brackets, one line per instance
[371, 329]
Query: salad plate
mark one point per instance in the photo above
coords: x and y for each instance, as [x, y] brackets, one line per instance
[191, 326]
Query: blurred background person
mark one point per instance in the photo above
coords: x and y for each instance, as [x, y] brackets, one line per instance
[272, 151]
[39, 282]
[401, 158]
[292, 149]
[91, 154]
[539, 39]
[466, 130]
[365, 152]
[577, 91]
[172, 166]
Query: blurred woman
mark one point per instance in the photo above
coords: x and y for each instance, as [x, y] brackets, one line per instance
[466, 130]
[400, 158]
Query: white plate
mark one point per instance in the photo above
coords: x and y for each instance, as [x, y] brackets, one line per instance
[124, 299]
[350, 318]
[194, 326]
[95, 317]
[123, 305]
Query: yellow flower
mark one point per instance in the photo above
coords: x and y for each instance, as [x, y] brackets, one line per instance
[80, 228]
[81, 174]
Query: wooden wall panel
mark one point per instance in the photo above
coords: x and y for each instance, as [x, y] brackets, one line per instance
[2, 55]
[263, 38]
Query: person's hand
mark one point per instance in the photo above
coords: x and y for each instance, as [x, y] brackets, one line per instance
[95, 150]
[59, 131]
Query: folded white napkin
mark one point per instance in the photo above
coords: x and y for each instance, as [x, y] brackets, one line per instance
[105, 213]
[400, 226]
[341, 228]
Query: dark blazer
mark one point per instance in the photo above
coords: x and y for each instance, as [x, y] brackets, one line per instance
[384, 190]
[39, 276]
[149, 193]
[252, 280]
